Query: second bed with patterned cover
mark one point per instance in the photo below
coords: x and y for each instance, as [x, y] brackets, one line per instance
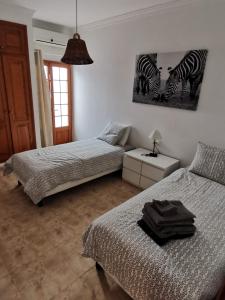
[41, 170]
[187, 269]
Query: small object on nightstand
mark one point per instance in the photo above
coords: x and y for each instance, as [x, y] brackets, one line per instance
[143, 171]
[156, 137]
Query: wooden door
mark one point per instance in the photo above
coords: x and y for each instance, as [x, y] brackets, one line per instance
[13, 38]
[18, 90]
[18, 123]
[59, 79]
[6, 148]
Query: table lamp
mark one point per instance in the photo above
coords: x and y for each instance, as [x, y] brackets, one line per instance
[155, 137]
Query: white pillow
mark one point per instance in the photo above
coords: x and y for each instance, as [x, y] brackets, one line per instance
[106, 129]
[123, 140]
[112, 133]
[209, 162]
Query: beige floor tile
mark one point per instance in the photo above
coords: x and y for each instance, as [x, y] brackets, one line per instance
[93, 286]
[3, 269]
[42, 288]
[8, 291]
[40, 248]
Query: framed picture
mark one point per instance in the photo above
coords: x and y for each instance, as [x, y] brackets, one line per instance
[170, 79]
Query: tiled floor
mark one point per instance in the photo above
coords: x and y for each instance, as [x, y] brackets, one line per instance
[40, 248]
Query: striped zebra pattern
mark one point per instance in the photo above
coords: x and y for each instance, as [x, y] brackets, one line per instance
[187, 269]
[190, 69]
[148, 78]
[41, 170]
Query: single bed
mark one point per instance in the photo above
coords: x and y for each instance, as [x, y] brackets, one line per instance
[187, 269]
[49, 170]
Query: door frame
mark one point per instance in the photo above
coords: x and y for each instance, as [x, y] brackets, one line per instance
[50, 64]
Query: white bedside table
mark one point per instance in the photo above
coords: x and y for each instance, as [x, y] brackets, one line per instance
[144, 171]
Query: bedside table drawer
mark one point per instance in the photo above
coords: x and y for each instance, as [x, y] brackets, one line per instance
[146, 182]
[152, 172]
[131, 176]
[132, 164]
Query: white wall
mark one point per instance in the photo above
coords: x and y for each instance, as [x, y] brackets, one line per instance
[103, 91]
[24, 16]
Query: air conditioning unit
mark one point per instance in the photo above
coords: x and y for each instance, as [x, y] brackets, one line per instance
[50, 38]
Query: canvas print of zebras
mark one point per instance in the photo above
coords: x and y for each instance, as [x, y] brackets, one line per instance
[170, 79]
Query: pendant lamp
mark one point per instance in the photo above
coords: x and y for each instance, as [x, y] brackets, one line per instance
[76, 50]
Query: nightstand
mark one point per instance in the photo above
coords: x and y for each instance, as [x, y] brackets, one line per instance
[144, 171]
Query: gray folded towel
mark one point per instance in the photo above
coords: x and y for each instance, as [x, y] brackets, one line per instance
[164, 208]
[182, 217]
[168, 231]
[156, 238]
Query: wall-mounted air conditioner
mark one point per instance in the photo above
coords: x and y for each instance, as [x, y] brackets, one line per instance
[50, 38]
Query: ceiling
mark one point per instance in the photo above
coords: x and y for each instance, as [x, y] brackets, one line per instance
[63, 11]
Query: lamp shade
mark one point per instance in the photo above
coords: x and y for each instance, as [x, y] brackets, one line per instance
[76, 52]
[155, 135]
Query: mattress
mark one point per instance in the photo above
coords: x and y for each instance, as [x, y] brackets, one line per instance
[42, 170]
[187, 269]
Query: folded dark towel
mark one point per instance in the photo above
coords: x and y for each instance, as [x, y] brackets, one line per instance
[182, 215]
[172, 224]
[178, 226]
[168, 231]
[164, 208]
[158, 240]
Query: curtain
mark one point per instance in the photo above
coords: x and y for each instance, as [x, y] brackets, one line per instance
[45, 111]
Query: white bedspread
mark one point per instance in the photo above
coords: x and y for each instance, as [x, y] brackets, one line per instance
[43, 169]
[187, 269]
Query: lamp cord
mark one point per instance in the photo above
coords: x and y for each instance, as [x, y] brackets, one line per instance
[76, 16]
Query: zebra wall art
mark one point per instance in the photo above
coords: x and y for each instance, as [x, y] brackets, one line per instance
[170, 79]
[148, 76]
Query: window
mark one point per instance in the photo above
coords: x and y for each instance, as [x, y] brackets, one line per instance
[59, 81]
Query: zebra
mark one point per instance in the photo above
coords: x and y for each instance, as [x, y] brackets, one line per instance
[148, 76]
[190, 69]
[154, 86]
[142, 84]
